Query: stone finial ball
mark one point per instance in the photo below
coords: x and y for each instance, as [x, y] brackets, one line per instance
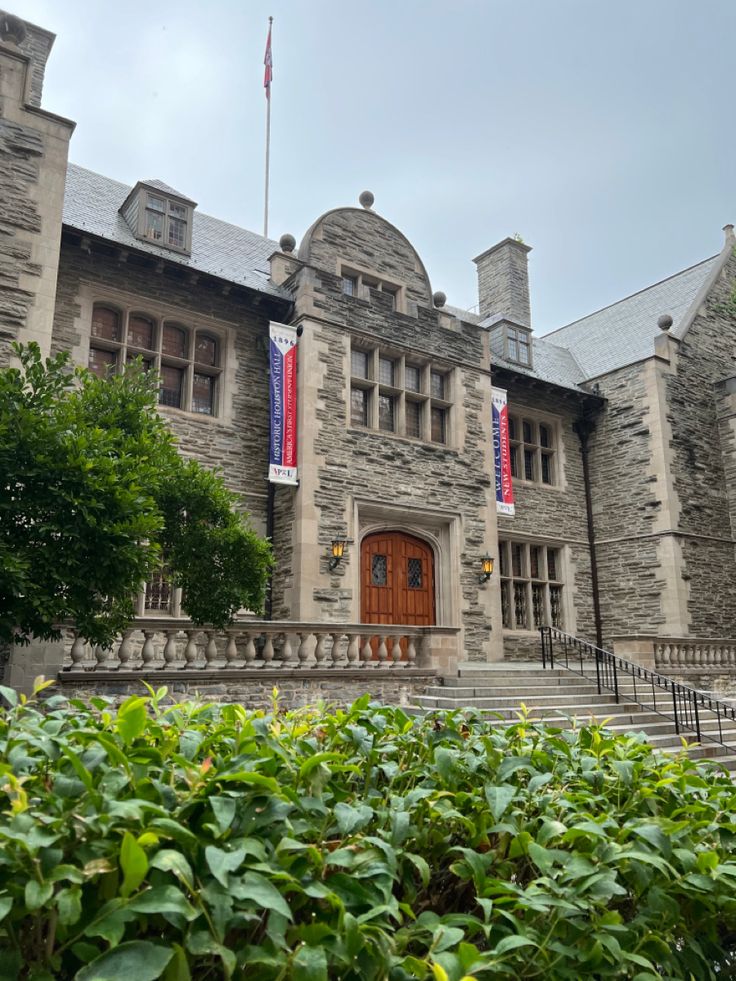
[439, 299]
[366, 199]
[664, 322]
[287, 243]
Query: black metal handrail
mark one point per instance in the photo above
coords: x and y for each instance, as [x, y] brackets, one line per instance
[681, 704]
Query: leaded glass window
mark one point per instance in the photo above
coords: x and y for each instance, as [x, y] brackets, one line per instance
[414, 573]
[531, 589]
[379, 570]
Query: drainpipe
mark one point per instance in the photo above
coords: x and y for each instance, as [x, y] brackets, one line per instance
[583, 427]
[270, 501]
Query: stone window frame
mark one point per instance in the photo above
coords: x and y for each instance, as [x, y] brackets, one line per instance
[521, 589]
[190, 367]
[519, 447]
[358, 283]
[145, 197]
[376, 390]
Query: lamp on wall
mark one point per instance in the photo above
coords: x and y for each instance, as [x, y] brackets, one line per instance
[487, 567]
[337, 550]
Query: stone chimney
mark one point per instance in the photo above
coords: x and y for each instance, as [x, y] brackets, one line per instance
[35, 43]
[503, 282]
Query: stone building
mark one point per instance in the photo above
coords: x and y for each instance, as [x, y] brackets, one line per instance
[622, 425]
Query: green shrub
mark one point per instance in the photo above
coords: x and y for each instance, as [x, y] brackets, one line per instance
[196, 841]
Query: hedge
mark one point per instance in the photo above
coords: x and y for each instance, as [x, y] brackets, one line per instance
[177, 841]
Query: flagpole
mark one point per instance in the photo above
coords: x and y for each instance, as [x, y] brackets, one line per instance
[268, 138]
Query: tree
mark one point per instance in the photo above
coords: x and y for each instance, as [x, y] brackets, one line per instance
[93, 492]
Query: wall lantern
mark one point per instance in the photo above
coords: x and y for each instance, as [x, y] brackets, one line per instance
[487, 567]
[338, 550]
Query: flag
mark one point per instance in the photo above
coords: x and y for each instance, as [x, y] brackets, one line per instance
[268, 62]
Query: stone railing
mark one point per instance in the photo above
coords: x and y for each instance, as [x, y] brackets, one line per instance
[178, 645]
[688, 652]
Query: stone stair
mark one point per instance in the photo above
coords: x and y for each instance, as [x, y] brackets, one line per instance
[561, 697]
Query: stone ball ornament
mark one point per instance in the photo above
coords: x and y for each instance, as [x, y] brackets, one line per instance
[664, 322]
[439, 299]
[287, 243]
[366, 199]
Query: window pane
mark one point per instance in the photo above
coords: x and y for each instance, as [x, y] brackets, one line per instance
[534, 561]
[514, 458]
[414, 419]
[414, 574]
[555, 604]
[172, 380]
[154, 226]
[203, 394]
[439, 420]
[524, 350]
[178, 210]
[506, 604]
[538, 604]
[159, 592]
[552, 563]
[156, 204]
[140, 333]
[412, 378]
[386, 371]
[512, 427]
[391, 293]
[517, 560]
[358, 407]
[177, 233]
[205, 350]
[529, 464]
[146, 363]
[528, 430]
[106, 323]
[101, 363]
[174, 342]
[502, 553]
[378, 570]
[513, 348]
[349, 285]
[386, 413]
[520, 606]
[359, 364]
[546, 468]
[545, 437]
[437, 385]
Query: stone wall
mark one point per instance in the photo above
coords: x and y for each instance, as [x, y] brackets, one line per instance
[706, 355]
[553, 515]
[255, 689]
[725, 394]
[238, 440]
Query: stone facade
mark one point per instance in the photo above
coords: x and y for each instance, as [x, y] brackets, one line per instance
[662, 424]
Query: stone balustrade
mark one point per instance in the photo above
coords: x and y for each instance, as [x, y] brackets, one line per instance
[688, 652]
[178, 645]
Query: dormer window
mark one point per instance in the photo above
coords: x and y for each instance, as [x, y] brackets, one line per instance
[511, 342]
[157, 214]
[359, 284]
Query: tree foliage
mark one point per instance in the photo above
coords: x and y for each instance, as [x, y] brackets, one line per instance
[194, 841]
[92, 490]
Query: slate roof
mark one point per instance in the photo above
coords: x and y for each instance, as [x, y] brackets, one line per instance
[552, 364]
[624, 332]
[167, 189]
[91, 204]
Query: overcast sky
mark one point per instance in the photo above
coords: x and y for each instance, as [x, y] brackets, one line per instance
[601, 131]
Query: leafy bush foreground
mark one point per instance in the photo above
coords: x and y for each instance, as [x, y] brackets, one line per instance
[199, 841]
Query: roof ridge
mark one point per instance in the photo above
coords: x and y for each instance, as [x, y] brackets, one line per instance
[630, 296]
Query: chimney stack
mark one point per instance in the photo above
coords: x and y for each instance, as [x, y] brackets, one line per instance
[503, 282]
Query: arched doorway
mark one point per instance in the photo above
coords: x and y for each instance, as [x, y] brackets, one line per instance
[396, 580]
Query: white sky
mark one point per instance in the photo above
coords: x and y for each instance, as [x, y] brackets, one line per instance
[600, 130]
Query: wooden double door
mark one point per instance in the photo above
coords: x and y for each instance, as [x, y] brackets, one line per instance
[397, 580]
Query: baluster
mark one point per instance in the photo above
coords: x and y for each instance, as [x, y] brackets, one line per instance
[664, 652]
[396, 651]
[170, 652]
[286, 650]
[148, 653]
[190, 651]
[77, 652]
[336, 653]
[411, 652]
[231, 649]
[366, 653]
[268, 651]
[125, 650]
[353, 652]
[382, 650]
[303, 649]
[319, 651]
[250, 650]
[210, 652]
[101, 655]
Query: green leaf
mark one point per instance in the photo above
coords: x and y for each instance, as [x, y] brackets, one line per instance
[309, 964]
[222, 862]
[136, 960]
[445, 760]
[6, 904]
[178, 967]
[9, 694]
[132, 718]
[163, 899]
[350, 819]
[37, 893]
[499, 799]
[257, 888]
[511, 943]
[69, 904]
[134, 864]
[169, 860]
[223, 809]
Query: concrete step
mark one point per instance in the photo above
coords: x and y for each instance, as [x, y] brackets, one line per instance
[522, 692]
[533, 703]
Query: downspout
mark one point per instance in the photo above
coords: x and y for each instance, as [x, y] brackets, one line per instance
[583, 427]
[270, 501]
